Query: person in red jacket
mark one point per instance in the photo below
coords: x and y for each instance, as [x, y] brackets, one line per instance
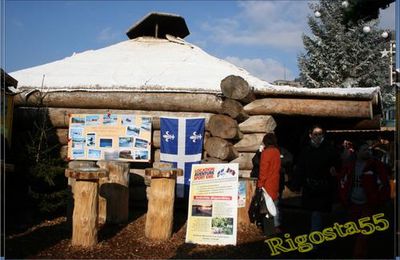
[270, 165]
[363, 186]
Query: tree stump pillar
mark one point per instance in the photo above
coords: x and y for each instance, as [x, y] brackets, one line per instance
[85, 213]
[114, 193]
[243, 216]
[160, 210]
[71, 186]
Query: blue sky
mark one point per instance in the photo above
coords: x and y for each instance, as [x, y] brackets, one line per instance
[263, 37]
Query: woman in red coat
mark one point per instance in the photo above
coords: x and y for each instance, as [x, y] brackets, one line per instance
[270, 165]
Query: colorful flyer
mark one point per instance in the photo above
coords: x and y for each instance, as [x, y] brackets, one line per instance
[213, 203]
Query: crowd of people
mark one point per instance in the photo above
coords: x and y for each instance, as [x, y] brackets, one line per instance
[356, 176]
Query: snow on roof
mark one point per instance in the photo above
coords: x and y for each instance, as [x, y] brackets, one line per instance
[148, 64]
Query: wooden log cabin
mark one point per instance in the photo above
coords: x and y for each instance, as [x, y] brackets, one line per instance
[157, 73]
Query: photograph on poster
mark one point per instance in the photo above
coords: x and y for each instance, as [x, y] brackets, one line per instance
[127, 120]
[78, 143]
[125, 141]
[111, 154]
[75, 132]
[109, 119]
[202, 208]
[77, 120]
[140, 143]
[221, 225]
[132, 131]
[92, 120]
[94, 154]
[106, 142]
[78, 153]
[146, 123]
[142, 155]
[91, 139]
[126, 154]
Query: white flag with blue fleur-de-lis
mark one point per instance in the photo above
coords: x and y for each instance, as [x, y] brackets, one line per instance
[182, 145]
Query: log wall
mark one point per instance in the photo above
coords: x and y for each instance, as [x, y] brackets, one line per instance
[235, 122]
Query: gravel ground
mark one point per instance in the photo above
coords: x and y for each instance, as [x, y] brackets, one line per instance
[52, 240]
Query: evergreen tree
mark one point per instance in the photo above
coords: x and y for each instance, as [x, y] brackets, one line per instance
[341, 54]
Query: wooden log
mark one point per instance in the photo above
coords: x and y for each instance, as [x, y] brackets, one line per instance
[114, 193]
[244, 173]
[71, 184]
[244, 161]
[64, 152]
[224, 126]
[156, 139]
[160, 165]
[157, 165]
[249, 143]
[212, 160]
[243, 216]
[160, 210]
[163, 172]
[310, 107]
[62, 135]
[84, 227]
[59, 117]
[235, 87]
[84, 220]
[156, 155]
[220, 148]
[81, 164]
[92, 173]
[199, 102]
[258, 124]
[234, 109]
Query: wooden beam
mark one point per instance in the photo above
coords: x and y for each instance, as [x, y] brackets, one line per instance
[235, 87]
[190, 102]
[59, 117]
[310, 107]
[258, 124]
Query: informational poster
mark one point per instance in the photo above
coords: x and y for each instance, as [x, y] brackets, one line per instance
[109, 137]
[213, 198]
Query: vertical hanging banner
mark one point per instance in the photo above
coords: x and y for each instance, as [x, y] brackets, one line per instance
[182, 145]
[213, 203]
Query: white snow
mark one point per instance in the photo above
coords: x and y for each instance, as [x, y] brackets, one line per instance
[149, 64]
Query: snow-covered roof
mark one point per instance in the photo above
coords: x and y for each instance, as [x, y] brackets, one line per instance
[146, 64]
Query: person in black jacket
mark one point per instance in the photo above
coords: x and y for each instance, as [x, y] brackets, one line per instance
[314, 172]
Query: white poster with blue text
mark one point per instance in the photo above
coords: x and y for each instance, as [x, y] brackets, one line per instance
[182, 145]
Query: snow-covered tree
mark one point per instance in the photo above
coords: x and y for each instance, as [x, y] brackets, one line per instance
[340, 54]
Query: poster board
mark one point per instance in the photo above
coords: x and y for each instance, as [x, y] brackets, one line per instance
[213, 198]
[108, 136]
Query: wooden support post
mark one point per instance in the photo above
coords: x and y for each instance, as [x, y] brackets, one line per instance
[114, 193]
[243, 216]
[84, 220]
[71, 186]
[160, 212]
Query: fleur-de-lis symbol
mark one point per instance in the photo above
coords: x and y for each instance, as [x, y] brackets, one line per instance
[195, 137]
[167, 136]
